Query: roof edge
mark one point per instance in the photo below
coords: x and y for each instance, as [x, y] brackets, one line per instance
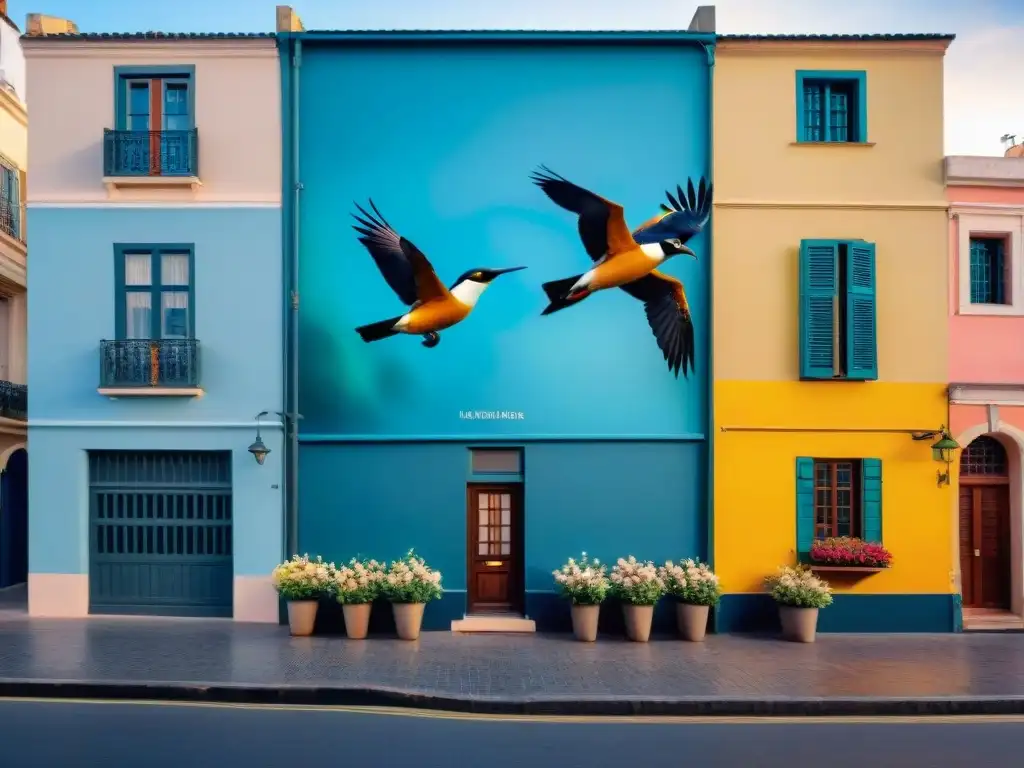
[879, 37]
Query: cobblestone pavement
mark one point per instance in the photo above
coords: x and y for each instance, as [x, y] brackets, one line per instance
[549, 667]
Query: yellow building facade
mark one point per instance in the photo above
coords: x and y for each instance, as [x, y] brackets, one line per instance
[830, 323]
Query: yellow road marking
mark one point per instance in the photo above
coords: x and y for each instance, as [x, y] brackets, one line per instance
[592, 719]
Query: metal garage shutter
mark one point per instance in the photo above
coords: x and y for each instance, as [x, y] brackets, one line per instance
[160, 533]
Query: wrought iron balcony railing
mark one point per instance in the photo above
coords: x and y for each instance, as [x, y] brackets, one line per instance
[13, 400]
[167, 363]
[10, 217]
[150, 153]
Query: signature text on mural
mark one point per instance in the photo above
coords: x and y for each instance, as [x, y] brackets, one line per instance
[492, 415]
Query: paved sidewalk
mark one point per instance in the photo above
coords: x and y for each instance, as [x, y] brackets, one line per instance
[225, 661]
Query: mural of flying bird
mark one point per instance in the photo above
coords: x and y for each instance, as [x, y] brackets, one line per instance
[629, 260]
[432, 307]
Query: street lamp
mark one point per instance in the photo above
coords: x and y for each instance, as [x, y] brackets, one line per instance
[259, 449]
[943, 450]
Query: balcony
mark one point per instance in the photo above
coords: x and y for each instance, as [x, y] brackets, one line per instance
[151, 158]
[13, 401]
[150, 367]
[10, 218]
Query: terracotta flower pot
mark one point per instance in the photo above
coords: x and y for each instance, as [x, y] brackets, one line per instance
[638, 621]
[584, 622]
[798, 624]
[357, 619]
[408, 619]
[692, 621]
[302, 617]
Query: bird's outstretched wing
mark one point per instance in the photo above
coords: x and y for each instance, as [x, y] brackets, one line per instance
[404, 267]
[668, 314]
[687, 216]
[602, 223]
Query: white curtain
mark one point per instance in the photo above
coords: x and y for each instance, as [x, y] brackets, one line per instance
[174, 304]
[138, 271]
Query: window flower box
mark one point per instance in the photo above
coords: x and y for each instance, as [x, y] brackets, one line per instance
[849, 554]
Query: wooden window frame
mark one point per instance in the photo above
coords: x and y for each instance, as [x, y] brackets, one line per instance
[124, 76]
[155, 288]
[856, 498]
[853, 81]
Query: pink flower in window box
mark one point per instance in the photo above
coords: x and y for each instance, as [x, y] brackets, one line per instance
[850, 551]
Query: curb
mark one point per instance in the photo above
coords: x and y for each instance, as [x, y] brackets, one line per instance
[595, 707]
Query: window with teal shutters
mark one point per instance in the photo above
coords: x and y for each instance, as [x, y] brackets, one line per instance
[804, 505]
[819, 292]
[838, 313]
[871, 499]
[837, 497]
[861, 314]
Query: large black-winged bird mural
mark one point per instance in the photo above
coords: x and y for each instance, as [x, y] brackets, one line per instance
[629, 260]
[432, 306]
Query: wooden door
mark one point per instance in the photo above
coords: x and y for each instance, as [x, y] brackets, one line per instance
[494, 523]
[985, 545]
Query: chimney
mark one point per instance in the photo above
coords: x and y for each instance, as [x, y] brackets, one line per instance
[703, 20]
[3, 7]
[1017, 150]
[40, 25]
[288, 20]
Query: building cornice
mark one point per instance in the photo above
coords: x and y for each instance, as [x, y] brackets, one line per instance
[785, 48]
[982, 171]
[986, 394]
[986, 209]
[837, 205]
[42, 48]
[14, 107]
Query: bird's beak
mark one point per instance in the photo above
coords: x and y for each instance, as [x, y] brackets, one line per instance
[509, 269]
[689, 252]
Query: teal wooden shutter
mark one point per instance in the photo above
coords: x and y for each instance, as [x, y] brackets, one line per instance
[861, 313]
[804, 504]
[871, 499]
[819, 286]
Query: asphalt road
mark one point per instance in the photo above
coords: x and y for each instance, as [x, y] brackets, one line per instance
[47, 734]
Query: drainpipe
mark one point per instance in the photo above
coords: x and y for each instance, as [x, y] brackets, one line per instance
[292, 510]
[709, 49]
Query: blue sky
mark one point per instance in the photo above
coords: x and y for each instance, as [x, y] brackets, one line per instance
[984, 91]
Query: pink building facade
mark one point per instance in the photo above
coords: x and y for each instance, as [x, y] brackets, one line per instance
[986, 393]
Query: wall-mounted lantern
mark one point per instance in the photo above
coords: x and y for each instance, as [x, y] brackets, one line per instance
[943, 450]
[258, 449]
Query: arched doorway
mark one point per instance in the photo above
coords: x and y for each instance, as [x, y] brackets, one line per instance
[984, 514]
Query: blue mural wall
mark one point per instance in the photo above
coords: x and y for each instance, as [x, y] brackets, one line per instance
[443, 139]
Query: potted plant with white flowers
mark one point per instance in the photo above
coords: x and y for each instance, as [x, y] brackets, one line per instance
[409, 584]
[585, 583]
[639, 586]
[356, 585]
[695, 587]
[800, 595]
[301, 582]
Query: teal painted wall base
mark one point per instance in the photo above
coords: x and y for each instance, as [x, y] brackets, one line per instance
[608, 499]
[848, 613]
